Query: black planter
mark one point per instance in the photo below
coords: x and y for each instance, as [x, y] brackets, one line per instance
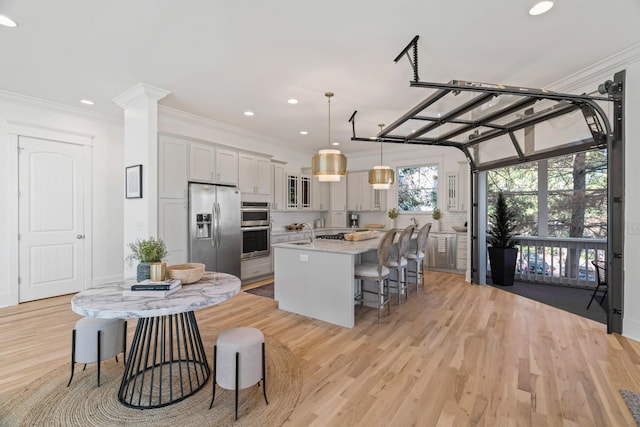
[503, 265]
[143, 271]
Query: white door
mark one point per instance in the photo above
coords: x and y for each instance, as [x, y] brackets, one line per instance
[51, 226]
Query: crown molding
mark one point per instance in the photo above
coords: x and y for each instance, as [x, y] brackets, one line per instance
[58, 107]
[593, 74]
[140, 92]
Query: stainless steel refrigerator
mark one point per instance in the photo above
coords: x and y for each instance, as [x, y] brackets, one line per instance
[215, 238]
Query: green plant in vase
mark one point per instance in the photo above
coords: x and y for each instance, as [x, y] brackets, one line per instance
[392, 214]
[147, 252]
[436, 215]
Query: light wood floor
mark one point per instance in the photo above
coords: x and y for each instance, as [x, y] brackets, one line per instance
[454, 355]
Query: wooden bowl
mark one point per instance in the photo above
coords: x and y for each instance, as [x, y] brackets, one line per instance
[187, 273]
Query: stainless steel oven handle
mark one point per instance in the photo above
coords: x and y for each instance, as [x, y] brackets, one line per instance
[256, 228]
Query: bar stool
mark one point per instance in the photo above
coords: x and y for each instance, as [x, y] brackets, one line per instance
[377, 272]
[418, 255]
[92, 337]
[239, 361]
[399, 262]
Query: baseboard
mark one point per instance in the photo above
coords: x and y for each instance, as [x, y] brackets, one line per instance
[8, 299]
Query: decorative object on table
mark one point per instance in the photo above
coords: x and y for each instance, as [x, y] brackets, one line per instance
[329, 164]
[361, 235]
[148, 251]
[239, 362]
[392, 214]
[154, 293]
[502, 250]
[187, 273]
[436, 215]
[94, 340]
[133, 182]
[149, 285]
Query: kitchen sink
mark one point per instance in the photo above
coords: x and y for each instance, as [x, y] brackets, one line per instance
[300, 243]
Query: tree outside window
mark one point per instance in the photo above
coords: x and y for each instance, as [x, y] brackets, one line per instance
[418, 188]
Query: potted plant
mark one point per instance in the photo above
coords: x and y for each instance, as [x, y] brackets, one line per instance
[436, 215]
[392, 214]
[147, 252]
[502, 250]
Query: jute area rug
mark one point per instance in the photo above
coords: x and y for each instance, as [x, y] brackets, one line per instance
[48, 402]
[263, 291]
[633, 403]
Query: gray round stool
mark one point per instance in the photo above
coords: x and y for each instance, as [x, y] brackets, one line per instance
[92, 337]
[239, 361]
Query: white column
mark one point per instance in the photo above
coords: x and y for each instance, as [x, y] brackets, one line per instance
[140, 105]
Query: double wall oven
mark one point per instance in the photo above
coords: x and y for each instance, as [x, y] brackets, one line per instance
[256, 229]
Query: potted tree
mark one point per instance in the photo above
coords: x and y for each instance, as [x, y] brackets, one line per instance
[148, 251]
[502, 250]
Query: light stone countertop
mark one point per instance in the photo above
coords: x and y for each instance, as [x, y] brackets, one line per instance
[339, 246]
[107, 302]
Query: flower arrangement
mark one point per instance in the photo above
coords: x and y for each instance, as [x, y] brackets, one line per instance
[149, 250]
[437, 214]
[393, 213]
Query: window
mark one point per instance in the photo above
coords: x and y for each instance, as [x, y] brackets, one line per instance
[418, 188]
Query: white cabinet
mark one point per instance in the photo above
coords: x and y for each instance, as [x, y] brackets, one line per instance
[298, 191]
[172, 167]
[255, 174]
[319, 195]
[278, 198]
[213, 165]
[361, 196]
[256, 268]
[202, 162]
[172, 228]
[452, 191]
[226, 166]
[338, 195]
[359, 191]
[461, 253]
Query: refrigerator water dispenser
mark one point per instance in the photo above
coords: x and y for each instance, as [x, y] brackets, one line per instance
[203, 226]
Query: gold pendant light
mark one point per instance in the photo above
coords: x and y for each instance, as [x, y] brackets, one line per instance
[381, 177]
[329, 165]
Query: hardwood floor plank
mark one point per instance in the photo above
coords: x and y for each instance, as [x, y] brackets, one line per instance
[453, 354]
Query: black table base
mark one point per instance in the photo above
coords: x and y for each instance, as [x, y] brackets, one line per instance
[167, 362]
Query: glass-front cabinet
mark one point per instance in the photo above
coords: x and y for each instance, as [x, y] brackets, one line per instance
[298, 191]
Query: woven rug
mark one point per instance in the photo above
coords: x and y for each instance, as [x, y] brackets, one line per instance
[263, 291]
[48, 402]
[633, 403]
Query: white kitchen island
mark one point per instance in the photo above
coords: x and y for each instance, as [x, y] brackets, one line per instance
[317, 280]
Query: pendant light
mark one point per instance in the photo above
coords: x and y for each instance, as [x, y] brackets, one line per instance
[329, 165]
[381, 177]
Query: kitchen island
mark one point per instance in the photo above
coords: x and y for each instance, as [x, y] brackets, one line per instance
[317, 279]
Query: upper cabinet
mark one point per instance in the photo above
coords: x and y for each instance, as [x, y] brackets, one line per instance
[255, 174]
[319, 195]
[210, 164]
[278, 199]
[360, 194]
[338, 195]
[298, 191]
[226, 166]
[172, 167]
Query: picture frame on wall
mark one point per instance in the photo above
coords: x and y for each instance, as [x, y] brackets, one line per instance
[133, 182]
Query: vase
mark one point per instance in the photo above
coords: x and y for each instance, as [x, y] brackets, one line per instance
[435, 225]
[158, 271]
[143, 271]
[392, 223]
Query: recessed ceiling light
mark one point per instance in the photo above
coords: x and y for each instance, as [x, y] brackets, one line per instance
[248, 113]
[292, 101]
[7, 22]
[540, 7]
[304, 132]
[87, 101]
[335, 143]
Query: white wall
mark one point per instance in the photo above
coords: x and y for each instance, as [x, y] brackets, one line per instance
[106, 183]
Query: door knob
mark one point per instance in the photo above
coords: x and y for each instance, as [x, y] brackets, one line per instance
[80, 236]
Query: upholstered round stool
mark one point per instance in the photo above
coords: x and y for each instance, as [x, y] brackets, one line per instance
[238, 361]
[92, 337]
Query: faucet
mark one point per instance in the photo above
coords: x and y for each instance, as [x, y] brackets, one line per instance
[312, 236]
[415, 222]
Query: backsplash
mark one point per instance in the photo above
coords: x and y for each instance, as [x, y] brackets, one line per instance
[281, 219]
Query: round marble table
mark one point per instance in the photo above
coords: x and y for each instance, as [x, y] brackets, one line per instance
[167, 361]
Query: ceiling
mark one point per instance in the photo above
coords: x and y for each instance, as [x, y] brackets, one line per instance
[221, 58]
